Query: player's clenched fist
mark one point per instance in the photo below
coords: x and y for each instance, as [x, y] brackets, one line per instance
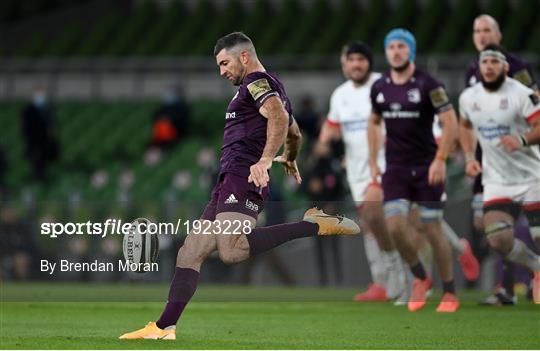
[510, 143]
[473, 168]
[258, 173]
[437, 172]
[375, 170]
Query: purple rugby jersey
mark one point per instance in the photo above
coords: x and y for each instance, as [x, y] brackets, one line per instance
[244, 137]
[517, 69]
[408, 111]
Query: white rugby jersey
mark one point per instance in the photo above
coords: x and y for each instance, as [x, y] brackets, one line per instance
[508, 110]
[350, 108]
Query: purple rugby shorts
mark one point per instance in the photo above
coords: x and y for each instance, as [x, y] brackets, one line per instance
[233, 193]
[411, 183]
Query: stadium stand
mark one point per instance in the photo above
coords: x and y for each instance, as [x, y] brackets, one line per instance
[178, 29]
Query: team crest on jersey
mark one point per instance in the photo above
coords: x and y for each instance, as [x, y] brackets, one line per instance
[503, 105]
[438, 97]
[380, 98]
[258, 88]
[395, 106]
[414, 95]
[475, 107]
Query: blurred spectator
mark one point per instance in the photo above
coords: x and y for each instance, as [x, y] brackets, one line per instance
[308, 119]
[39, 133]
[323, 184]
[16, 245]
[3, 171]
[170, 120]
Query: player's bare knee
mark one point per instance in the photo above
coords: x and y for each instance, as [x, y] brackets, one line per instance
[373, 215]
[501, 243]
[500, 235]
[433, 231]
[227, 256]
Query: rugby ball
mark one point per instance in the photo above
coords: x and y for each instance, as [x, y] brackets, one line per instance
[140, 246]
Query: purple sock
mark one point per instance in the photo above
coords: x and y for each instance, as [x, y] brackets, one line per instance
[266, 238]
[182, 288]
[418, 271]
[508, 276]
[448, 287]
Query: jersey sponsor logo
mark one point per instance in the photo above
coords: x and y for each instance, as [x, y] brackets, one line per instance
[380, 98]
[252, 206]
[258, 88]
[523, 77]
[231, 199]
[414, 95]
[494, 131]
[230, 115]
[503, 104]
[395, 106]
[401, 114]
[354, 126]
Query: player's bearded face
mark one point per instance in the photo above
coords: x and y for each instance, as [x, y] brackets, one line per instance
[230, 67]
[356, 68]
[238, 71]
[397, 55]
[492, 73]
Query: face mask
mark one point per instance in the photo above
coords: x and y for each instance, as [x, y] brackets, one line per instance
[170, 98]
[40, 99]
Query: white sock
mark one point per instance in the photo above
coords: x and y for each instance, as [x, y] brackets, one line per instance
[522, 255]
[452, 237]
[426, 257]
[375, 259]
[396, 283]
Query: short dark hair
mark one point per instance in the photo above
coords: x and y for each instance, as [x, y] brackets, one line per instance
[358, 47]
[231, 40]
[496, 47]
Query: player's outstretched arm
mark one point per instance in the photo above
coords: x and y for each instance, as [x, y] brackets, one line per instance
[374, 132]
[437, 170]
[329, 132]
[276, 131]
[467, 140]
[290, 152]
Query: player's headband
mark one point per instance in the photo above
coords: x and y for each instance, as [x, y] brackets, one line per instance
[404, 36]
[492, 53]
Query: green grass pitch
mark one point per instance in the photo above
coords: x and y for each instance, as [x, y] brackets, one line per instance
[36, 316]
